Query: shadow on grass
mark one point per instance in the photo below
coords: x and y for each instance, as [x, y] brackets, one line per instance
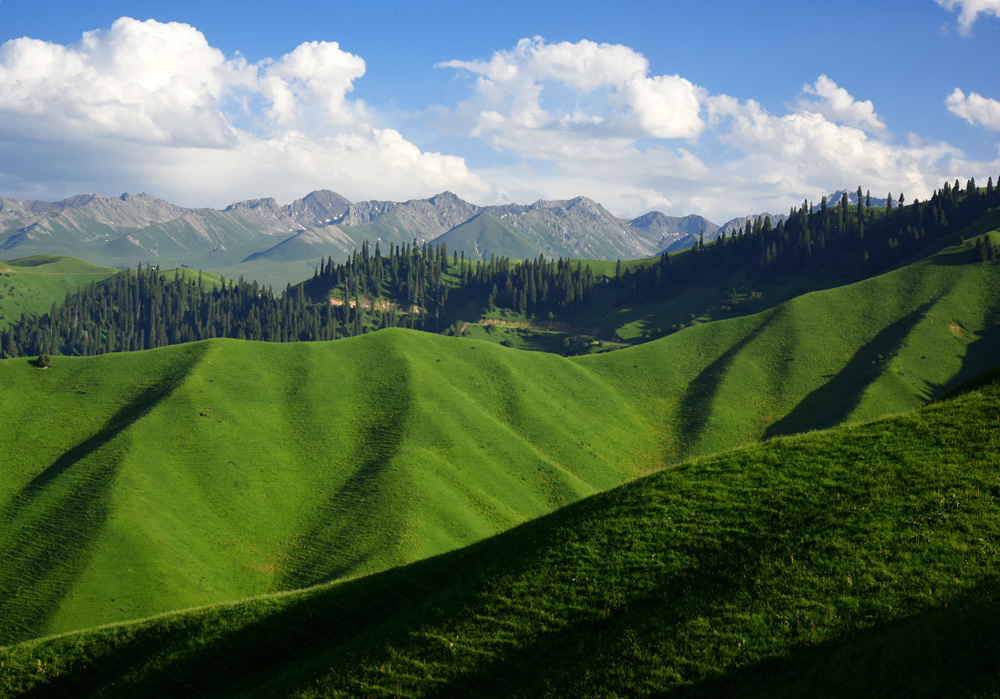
[944, 652]
[49, 527]
[699, 395]
[938, 653]
[833, 402]
[981, 355]
[340, 636]
[621, 629]
[345, 531]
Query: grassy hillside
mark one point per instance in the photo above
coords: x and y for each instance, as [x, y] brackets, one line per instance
[32, 284]
[880, 346]
[137, 483]
[70, 232]
[224, 469]
[856, 561]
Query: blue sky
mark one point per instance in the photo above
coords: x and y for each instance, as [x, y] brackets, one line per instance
[714, 108]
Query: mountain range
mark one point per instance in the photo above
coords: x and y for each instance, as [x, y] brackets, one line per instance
[260, 237]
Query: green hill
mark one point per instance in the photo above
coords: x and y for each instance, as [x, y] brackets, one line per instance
[31, 284]
[223, 469]
[860, 351]
[855, 561]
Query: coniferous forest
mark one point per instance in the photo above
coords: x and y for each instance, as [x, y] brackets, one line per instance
[856, 240]
[420, 286]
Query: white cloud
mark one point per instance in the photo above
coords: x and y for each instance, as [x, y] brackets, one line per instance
[969, 11]
[585, 65]
[150, 105]
[837, 104]
[612, 130]
[975, 107]
[550, 100]
[806, 152]
[314, 79]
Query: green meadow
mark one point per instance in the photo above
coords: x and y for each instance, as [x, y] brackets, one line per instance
[859, 560]
[266, 467]
[757, 503]
[140, 483]
[32, 284]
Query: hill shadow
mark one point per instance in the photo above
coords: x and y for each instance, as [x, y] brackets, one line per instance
[982, 354]
[699, 395]
[291, 648]
[49, 527]
[935, 653]
[833, 402]
[331, 548]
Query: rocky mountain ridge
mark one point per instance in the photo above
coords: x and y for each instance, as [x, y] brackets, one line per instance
[126, 230]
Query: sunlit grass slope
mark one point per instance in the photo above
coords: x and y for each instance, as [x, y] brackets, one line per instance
[880, 346]
[32, 284]
[856, 561]
[138, 483]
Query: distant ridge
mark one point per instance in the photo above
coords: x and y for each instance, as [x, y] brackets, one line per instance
[131, 229]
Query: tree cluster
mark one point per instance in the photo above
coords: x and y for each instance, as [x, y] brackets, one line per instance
[424, 278]
[857, 240]
[420, 287]
[141, 309]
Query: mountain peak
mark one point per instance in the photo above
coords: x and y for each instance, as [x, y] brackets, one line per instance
[318, 208]
[264, 203]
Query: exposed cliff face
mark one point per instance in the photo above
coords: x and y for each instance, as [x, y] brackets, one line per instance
[318, 208]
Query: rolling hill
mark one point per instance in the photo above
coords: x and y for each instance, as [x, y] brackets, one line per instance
[223, 469]
[32, 284]
[855, 561]
[336, 459]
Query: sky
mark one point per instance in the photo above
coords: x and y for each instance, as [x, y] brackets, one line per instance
[717, 108]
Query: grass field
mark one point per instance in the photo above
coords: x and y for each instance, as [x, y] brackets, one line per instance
[134, 484]
[254, 467]
[880, 346]
[856, 561]
[31, 284]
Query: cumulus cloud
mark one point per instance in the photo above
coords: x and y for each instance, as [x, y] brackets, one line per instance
[592, 117]
[550, 100]
[145, 82]
[969, 11]
[975, 108]
[806, 151]
[153, 105]
[837, 104]
[147, 105]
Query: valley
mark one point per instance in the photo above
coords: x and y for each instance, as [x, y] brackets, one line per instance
[797, 475]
